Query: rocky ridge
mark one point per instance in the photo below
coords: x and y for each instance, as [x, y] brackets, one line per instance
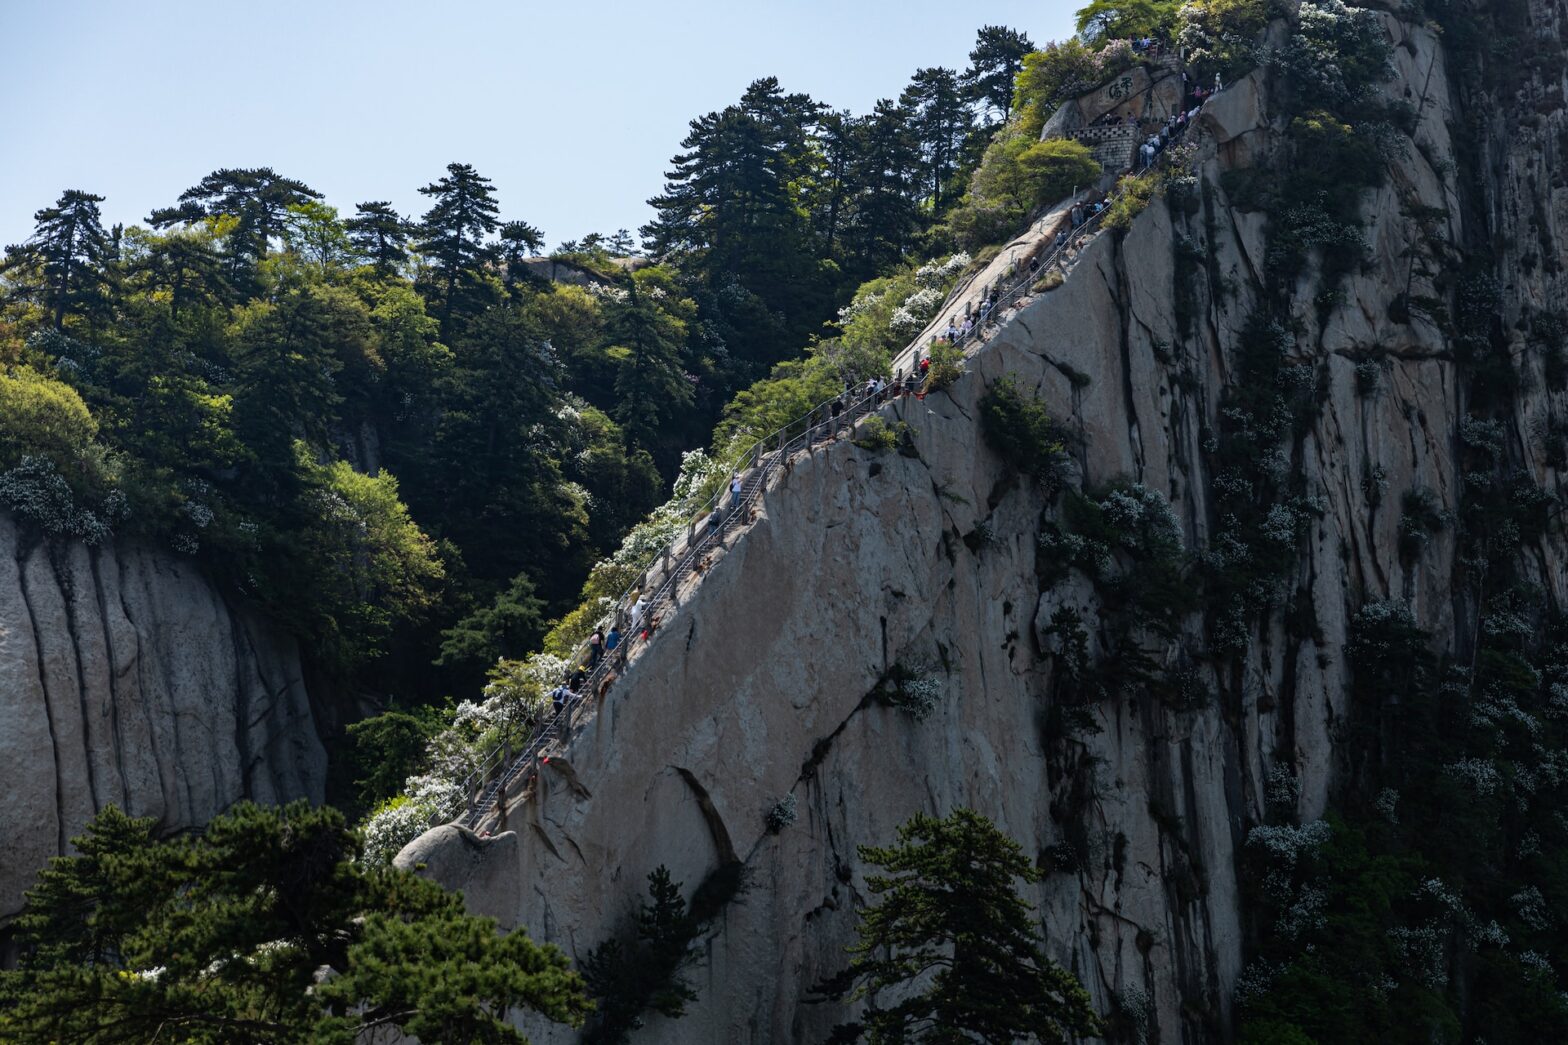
[762, 686]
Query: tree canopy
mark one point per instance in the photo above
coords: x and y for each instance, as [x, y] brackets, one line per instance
[263, 928]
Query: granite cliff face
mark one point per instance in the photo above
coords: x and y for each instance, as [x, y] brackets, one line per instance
[127, 679]
[758, 688]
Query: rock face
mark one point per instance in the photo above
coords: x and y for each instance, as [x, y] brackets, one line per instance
[1149, 92]
[126, 679]
[758, 688]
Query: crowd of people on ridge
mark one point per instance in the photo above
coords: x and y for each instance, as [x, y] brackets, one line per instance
[877, 390]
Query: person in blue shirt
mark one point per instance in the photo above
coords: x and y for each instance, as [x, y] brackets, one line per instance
[613, 639]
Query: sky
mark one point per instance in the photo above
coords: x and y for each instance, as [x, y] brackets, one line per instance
[573, 109]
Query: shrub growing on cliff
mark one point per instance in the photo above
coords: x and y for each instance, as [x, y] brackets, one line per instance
[916, 690]
[950, 948]
[219, 937]
[646, 971]
[1134, 193]
[1019, 430]
[947, 366]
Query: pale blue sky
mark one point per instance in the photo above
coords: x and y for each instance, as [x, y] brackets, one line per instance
[572, 108]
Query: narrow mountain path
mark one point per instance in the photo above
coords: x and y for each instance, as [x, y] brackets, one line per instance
[506, 774]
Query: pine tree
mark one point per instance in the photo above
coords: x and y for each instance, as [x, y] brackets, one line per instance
[289, 354]
[452, 234]
[519, 240]
[837, 145]
[219, 938]
[732, 215]
[951, 940]
[257, 199]
[885, 176]
[646, 972]
[647, 331]
[940, 122]
[380, 235]
[494, 470]
[993, 65]
[186, 265]
[622, 245]
[66, 262]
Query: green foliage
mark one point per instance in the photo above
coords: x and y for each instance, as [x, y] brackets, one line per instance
[877, 435]
[1059, 72]
[43, 417]
[371, 566]
[953, 947]
[1127, 19]
[1272, 396]
[1335, 56]
[647, 971]
[1019, 430]
[510, 626]
[64, 267]
[1017, 175]
[452, 234]
[1420, 517]
[218, 937]
[647, 331]
[1134, 192]
[379, 235]
[1221, 37]
[994, 62]
[1438, 892]
[385, 749]
[312, 231]
[947, 366]
[939, 122]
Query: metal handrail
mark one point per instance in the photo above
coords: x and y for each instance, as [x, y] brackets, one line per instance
[481, 789]
[484, 788]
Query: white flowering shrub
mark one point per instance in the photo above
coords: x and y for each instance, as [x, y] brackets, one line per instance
[1281, 850]
[1530, 907]
[904, 322]
[1336, 55]
[781, 814]
[1304, 913]
[515, 702]
[938, 275]
[34, 490]
[1423, 952]
[608, 292]
[1281, 790]
[1136, 1007]
[1478, 774]
[1255, 981]
[916, 690]
[1143, 520]
[393, 825]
